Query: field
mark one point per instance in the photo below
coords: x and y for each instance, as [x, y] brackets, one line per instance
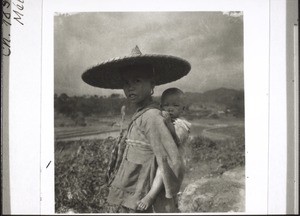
[214, 178]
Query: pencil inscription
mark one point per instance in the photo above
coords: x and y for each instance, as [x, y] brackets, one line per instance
[6, 46]
[5, 24]
[18, 11]
[6, 13]
[48, 164]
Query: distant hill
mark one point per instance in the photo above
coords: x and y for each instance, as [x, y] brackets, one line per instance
[221, 98]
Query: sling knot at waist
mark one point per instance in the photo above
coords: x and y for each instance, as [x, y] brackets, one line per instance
[139, 144]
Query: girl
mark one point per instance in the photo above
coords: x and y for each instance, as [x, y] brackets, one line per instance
[149, 143]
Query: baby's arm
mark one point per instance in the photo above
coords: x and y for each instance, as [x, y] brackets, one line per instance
[167, 155]
[156, 187]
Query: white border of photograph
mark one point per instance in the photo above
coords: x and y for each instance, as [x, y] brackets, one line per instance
[29, 142]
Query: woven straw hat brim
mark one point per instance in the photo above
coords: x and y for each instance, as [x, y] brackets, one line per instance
[108, 74]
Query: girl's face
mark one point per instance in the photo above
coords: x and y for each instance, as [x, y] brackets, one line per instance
[137, 87]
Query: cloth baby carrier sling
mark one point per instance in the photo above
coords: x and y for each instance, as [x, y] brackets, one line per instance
[120, 145]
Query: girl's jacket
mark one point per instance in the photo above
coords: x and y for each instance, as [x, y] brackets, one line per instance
[149, 144]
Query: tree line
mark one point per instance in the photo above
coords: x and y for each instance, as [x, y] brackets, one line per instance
[72, 106]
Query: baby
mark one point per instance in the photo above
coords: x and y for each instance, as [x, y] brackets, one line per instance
[172, 101]
[172, 104]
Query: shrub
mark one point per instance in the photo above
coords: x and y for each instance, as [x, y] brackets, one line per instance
[80, 176]
[227, 153]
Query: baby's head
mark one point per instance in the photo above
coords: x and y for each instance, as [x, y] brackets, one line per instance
[172, 101]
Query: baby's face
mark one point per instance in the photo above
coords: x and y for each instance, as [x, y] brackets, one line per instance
[173, 105]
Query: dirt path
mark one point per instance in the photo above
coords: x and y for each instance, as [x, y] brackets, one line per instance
[87, 135]
[210, 133]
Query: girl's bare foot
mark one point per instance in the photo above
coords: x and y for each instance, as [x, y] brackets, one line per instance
[145, 203]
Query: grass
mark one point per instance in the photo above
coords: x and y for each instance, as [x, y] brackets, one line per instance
[80, 175]
[80, 165]
[80, 168]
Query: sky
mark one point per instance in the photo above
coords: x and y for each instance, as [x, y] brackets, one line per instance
[211, 41]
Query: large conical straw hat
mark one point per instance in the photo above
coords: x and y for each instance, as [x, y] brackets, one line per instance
[166, 69]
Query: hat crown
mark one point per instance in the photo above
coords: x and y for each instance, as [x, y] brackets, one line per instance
[136, 51]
